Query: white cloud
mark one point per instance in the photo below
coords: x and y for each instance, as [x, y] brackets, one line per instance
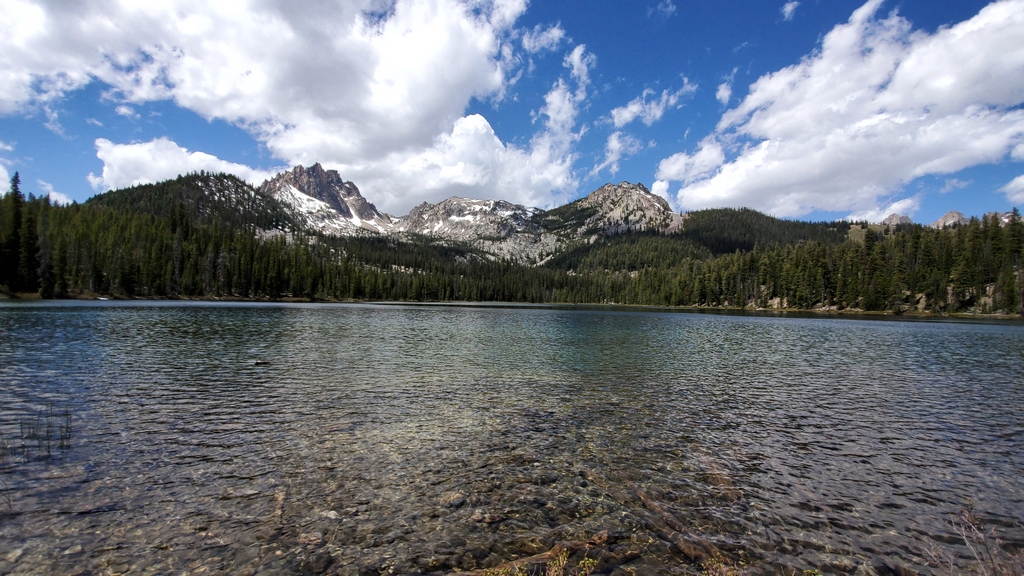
[617, 146]
[341, 83]
[875, 107]
[650, 111]
[1014, 190]
[540, 38]
[664, 9]
[55, 197]
[1018, 152]
[906, 207]
[94, 122]
[660, 188]
[4, 176]
[683, 167]
[788, 9]
[954, 184]
[472, 161]
[160, 159]
[126, 111]
[723, 93]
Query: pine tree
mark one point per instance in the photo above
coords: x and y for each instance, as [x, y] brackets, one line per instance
[10, 234]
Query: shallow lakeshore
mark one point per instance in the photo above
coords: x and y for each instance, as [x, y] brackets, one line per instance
[430, 439]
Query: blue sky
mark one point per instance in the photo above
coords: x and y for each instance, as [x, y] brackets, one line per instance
[813, 109]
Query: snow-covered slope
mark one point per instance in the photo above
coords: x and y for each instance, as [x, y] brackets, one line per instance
[467, 219]
[501, 228]
[323, 201]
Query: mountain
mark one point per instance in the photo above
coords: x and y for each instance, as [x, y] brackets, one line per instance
[613, 209]
[501, 228]
[320, 199]
[203, 198]
[896, 220]
[951, 218]
[467, 219]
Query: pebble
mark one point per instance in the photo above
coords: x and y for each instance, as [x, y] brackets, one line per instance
[487, 518]
[14, 555]
[453, 500]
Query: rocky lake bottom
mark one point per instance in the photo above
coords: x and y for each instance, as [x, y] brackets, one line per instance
[392, 439]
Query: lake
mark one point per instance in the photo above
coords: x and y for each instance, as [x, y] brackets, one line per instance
[406, 439]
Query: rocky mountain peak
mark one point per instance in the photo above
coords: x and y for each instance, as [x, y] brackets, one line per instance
[896, 220]
[327, 199]
[951, 218]
[627, 207]
[466, 218]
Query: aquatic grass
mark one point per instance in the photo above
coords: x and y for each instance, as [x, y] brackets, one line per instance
[65, 430]
[5, 448]
[987, 553]
[45, 427]
[557, 566]
[7, 495]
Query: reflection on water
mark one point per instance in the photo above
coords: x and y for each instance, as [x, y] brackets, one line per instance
[415, 439]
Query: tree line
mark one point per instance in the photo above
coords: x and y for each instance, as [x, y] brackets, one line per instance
[171, 241]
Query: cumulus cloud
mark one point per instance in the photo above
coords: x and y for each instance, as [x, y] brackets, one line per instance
[617, 147]
[1014, 190]
[724, 93]
[906, 207]
[53, 195]
[650, 111]
[344, 84]
[788, 9]
[875, 107]
[160, 159]
[540, 39]
[126, 111]
[686, 168]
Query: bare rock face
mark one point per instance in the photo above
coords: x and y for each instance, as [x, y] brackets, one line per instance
[621, 208]
[468, 219]
[896, 220]
[951, 218]
[321, 200]
[326, 202]
[497, 227]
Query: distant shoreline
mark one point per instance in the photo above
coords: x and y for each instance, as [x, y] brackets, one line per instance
[804, 312]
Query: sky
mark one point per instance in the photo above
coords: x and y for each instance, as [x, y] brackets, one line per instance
[809, 109]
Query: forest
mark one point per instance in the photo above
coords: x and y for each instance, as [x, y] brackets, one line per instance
[198, 237]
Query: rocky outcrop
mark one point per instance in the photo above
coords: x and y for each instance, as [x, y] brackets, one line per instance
[896, 220]
[324, 201]
[626, 207]
[468, 219]
[506, 230]
[951, 218]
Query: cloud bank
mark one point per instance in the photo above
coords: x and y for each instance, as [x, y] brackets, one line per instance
[363, 86]
[875, 107]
